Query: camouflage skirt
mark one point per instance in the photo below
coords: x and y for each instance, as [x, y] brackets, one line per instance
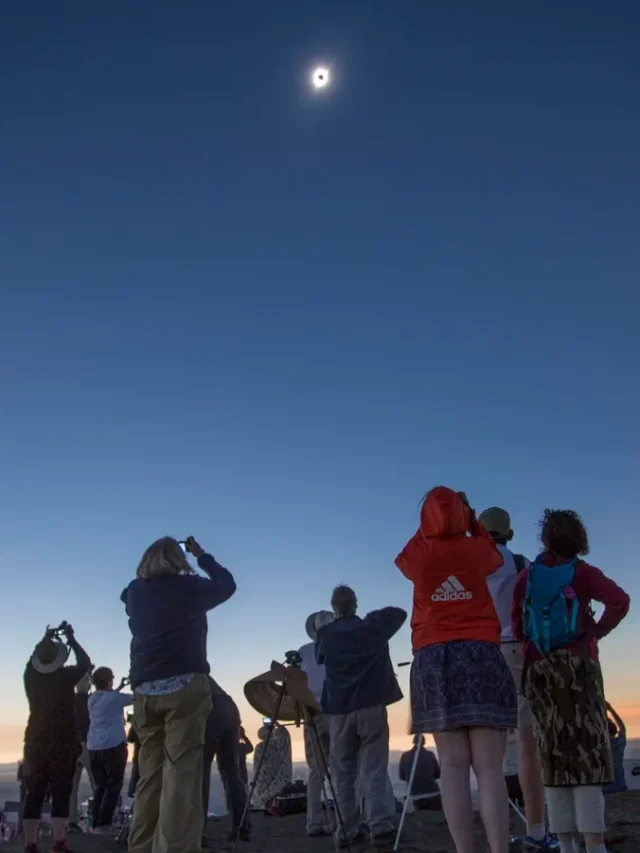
[566, 694]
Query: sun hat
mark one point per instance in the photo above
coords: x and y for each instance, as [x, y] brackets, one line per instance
[318, 620]
[496, 521]
[49, 656]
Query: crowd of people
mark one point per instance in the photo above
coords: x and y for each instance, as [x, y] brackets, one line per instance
[499, 645]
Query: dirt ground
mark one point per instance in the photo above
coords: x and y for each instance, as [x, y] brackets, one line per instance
[425, 833]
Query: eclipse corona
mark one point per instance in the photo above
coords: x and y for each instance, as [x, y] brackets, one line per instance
[320, 78]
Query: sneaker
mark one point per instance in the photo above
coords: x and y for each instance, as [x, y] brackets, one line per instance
[318, 833]
[60, 847]
[549, 842]
[31, 848]
[74, 827]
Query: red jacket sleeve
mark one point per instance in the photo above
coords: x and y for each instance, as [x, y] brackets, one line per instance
[601, 588]
[412, 556]
[519, 592]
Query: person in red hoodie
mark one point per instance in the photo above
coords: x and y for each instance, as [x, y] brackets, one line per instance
[562, 677]
[461, 689]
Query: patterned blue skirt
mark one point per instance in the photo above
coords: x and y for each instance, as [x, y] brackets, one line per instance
[459, 684]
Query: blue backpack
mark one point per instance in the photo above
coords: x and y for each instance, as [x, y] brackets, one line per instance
[551, 607]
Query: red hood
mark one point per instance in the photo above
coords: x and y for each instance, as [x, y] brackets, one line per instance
[444, 514]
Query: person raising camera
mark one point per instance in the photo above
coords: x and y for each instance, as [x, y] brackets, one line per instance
[50, 740]
[107, 743]
[167, 606]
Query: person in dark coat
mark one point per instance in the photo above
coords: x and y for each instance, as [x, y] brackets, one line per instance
[222, 742]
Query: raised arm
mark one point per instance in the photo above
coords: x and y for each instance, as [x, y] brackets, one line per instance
[387, 622]
[219, 586]
[412, 555]
[83, 661]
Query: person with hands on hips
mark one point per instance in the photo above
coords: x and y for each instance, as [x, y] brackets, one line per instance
[167, 605]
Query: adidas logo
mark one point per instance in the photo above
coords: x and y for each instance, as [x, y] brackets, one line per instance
[451, 590]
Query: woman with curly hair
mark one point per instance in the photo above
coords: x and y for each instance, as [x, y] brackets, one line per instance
[462, 691]
[562, 678]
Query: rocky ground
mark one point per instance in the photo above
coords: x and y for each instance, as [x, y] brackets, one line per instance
[425, 833]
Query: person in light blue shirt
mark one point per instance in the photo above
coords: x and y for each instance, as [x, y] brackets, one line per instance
[107, 745]
[618, 741]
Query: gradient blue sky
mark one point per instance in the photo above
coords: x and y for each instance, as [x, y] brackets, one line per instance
[273, 320]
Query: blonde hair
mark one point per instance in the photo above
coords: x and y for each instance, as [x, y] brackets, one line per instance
[163, 559]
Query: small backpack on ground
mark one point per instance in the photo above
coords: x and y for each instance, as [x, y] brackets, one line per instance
[551, 607]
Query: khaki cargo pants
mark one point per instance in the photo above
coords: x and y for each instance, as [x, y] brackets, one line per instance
[168, 816]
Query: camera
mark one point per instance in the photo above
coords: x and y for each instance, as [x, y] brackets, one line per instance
[293, 658]
[61, 630]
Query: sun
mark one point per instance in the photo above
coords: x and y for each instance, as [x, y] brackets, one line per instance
[320, 77]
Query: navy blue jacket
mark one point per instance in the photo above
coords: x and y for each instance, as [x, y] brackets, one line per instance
[355, 652]
[168, 620]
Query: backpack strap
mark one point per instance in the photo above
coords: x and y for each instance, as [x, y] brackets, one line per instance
[520, 562]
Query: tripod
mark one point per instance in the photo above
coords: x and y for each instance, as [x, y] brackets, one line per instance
[301, 708]
[123, 834]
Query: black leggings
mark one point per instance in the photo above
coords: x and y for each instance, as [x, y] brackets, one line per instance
[48, 767]
[107, 768]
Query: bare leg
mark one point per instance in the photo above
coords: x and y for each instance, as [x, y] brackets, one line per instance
[59, 828]
[487, 749]
[454, 753]
[30, 830]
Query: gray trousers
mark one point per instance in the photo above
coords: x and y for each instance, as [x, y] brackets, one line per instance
[360, 741]
[315, 816]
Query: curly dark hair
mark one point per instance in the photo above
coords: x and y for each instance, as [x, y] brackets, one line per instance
[563, 533]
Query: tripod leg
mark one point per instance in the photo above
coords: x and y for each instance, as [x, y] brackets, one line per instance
[321, 758]
[256, 775]
[124, 830]
[517, 811]
[409, 789]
